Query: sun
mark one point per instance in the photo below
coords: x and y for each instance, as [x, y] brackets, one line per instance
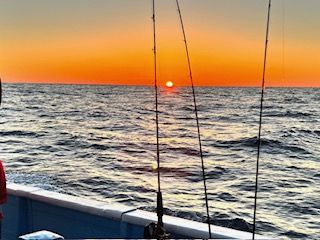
[169, 84]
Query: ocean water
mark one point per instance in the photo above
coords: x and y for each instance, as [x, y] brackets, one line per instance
[99, 142]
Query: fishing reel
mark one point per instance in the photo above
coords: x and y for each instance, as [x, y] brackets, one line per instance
[155, 231]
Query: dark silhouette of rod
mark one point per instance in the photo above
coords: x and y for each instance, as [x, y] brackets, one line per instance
[159, 194]
[197, 118]
[260, 123]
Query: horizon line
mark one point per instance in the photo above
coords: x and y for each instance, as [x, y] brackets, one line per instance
[151, 85]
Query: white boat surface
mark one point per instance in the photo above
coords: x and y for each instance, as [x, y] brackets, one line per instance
[30, 209]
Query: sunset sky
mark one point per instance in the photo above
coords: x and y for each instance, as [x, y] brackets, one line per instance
[111, 41]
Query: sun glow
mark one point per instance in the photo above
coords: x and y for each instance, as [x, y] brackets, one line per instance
[169, 84]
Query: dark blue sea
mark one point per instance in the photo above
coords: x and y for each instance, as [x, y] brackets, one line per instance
[99, 142]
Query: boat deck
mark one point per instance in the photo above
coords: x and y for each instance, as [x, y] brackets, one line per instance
[31, 209]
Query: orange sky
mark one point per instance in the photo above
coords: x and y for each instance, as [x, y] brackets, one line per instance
[110, 42]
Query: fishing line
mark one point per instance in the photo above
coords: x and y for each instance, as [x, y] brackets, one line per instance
[197, 118]
[260, 122]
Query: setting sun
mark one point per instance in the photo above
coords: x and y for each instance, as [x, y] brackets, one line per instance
[169, 84]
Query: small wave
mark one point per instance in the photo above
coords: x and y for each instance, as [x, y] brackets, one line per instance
[40, 181]
[185, 118]
[134, 151]
[137, 189]
[270, 145]
[242, 142]
[288, 114]
[246, 185]
[186, 109]
[123, 198]
[233, 118]
[317, 175]
[185, 150]
[236, 223]
[194, 216]
[99, 146]
[227, 197]
[166, 171]
[306, 181]
[47, 148]
[12, 142]
[294, 234]
[294, 167]
[44, 115]
[303, 207]
[93, 181]
[308, 131]
[296, 149]
[217, 173]
[20, 133]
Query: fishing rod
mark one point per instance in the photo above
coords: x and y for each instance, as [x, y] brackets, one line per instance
[197, 118]
[260, 122]
[156, 230]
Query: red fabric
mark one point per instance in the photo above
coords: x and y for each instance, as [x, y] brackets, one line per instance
[3, 185]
